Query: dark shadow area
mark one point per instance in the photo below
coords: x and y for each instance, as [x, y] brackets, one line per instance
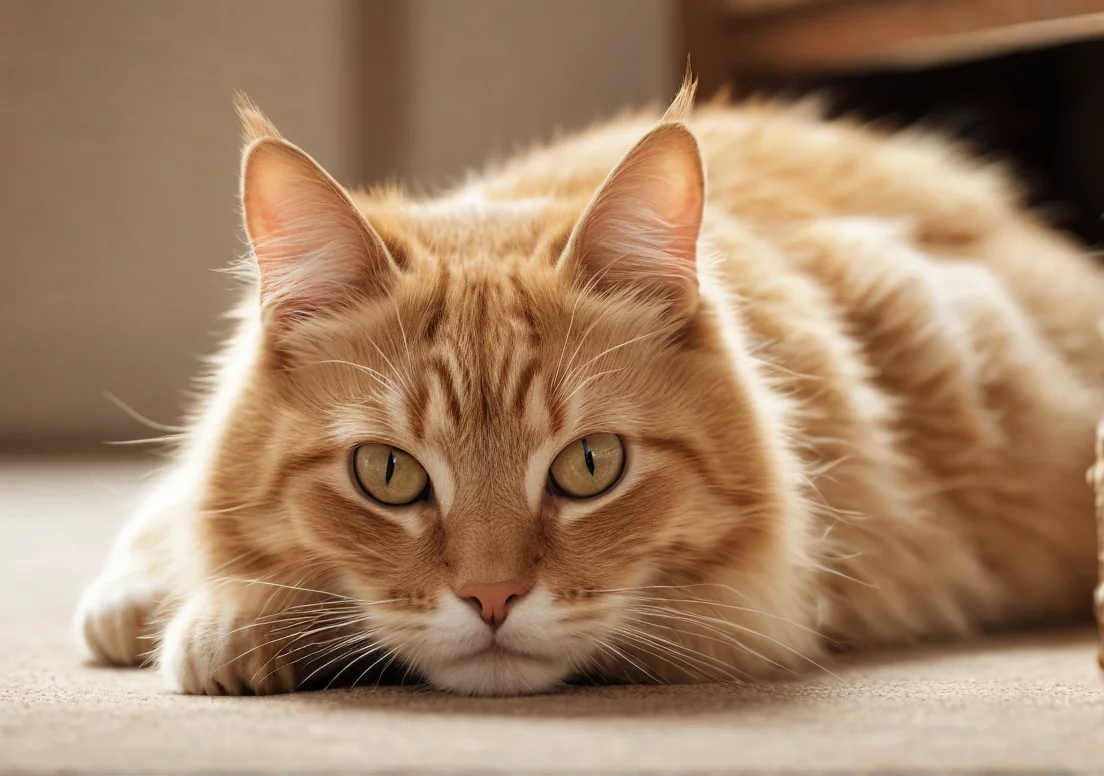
[1041, 110]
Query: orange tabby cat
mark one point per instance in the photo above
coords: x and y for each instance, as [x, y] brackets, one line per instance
[696, 398]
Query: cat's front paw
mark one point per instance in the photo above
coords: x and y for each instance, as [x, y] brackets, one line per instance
[218, 646]
[116, 617]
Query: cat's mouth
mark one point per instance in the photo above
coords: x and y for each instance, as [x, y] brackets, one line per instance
[495, 651]
[496, 670]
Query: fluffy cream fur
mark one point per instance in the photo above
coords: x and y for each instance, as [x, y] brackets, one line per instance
[855, 380]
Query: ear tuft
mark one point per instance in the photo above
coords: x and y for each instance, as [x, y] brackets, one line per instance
[255, 125]
[680, 108]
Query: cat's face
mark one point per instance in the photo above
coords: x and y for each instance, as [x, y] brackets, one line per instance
[470, 413]
[496, 423]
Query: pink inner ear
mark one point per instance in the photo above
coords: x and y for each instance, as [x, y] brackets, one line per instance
[268, 216]
[281, 182]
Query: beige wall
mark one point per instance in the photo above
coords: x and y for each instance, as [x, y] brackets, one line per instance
[117, 198]
[490, 75]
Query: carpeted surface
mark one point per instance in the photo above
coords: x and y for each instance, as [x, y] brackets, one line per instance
[1022, 703]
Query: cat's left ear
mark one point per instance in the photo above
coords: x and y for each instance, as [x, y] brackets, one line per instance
[639, 234]
[315, 251]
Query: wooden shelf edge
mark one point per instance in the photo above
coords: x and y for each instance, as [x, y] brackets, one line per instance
[847, 35]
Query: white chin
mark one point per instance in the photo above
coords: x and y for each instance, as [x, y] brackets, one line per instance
[497, 673]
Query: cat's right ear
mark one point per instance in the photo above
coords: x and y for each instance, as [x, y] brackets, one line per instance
[639, 233]
[315, 251]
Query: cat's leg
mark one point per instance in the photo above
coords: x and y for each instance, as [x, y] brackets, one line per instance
[116, 619]
[256, 638]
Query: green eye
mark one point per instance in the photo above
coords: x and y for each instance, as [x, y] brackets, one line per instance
[588, 466]
[388, 474]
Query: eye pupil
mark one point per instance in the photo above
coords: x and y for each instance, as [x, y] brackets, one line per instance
[588, 456]
[390, 467]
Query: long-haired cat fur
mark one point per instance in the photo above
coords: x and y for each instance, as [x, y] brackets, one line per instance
[837, 389]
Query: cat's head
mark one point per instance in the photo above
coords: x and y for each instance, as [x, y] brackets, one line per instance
[499, 420]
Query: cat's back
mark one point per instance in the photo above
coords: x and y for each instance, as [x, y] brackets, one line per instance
[942, 343]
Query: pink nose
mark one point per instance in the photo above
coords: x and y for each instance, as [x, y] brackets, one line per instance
[492, 599]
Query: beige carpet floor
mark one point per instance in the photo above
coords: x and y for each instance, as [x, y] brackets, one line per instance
[1032, 702]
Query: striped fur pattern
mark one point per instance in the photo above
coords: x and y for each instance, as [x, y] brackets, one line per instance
[856, 383]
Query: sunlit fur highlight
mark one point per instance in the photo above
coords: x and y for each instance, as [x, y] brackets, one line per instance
[857, 411]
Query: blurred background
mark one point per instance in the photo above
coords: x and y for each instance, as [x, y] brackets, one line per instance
[120, 146]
